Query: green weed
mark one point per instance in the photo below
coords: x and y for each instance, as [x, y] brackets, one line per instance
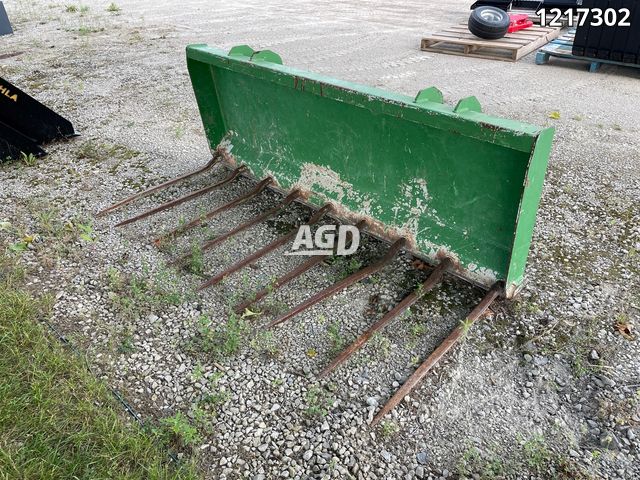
[195, 263]
[28, 159]
[318, 402]
[221, 340]
[264, 342]
[388, 428]
[178, 431]
[336, 339]
[56, 419]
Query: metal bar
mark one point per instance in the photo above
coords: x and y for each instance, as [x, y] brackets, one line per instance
[439, 352]
[264, 250]
[149, 191]
[287, 277]
[208, 216]
[336, 287]
[283, 280]
[288, 200]
[183, 199]
[434, 279]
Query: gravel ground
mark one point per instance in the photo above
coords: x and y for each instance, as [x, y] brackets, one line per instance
[547, 386]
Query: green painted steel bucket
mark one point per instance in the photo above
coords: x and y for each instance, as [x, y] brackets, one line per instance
[454, 181]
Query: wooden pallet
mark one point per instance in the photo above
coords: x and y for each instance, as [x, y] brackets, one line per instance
[563, 48]
[458, 40]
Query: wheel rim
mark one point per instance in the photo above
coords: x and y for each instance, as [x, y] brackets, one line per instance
[491, 16]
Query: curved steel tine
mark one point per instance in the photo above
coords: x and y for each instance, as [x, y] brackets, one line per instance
[183, 199]
[433, 280]
[439, 352]
[216, 211]
[350, 280]
[264, 250]
[214, 161]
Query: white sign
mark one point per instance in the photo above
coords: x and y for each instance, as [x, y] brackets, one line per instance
[327, 241]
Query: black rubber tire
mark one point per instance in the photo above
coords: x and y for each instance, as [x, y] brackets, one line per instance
[489, 23]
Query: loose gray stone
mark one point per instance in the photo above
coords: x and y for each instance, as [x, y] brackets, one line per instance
[422, 458]
[386, 455]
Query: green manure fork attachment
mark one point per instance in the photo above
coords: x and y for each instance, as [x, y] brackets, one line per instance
[453, 186]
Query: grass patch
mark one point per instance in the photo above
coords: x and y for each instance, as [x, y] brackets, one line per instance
[56, 419]
[28, 160]
[381, 345]
[265, 343]
[345, 266]
[177, 429]
[89, 30]
[388, 429]
[485, 466]
[536, 453]
[318, 402]
[335, 337]
[223, 340]
[96, 152]
[417, 329]
[535, 459]
[139, 294]
[51, 237]
[195, 263]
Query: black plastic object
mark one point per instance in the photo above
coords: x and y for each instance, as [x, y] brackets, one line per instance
[623, 34]
[582, 33]
[632, 48]
[626, 40]
[489, 22]
[502, 4]
[26, 122]
[594, 37]
[5, 25]
[605, 46]
[529, 4]
[616, 43]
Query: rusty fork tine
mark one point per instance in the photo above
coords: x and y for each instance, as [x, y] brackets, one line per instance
[434, 279]
[151, 190]
[288, 200]
[286, 278]
[336, 287]
[216, 211]
[281, 281]
[183, 199]
[263, 251]
[439, 352]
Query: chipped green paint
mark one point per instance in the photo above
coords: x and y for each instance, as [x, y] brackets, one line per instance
[453, 180]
